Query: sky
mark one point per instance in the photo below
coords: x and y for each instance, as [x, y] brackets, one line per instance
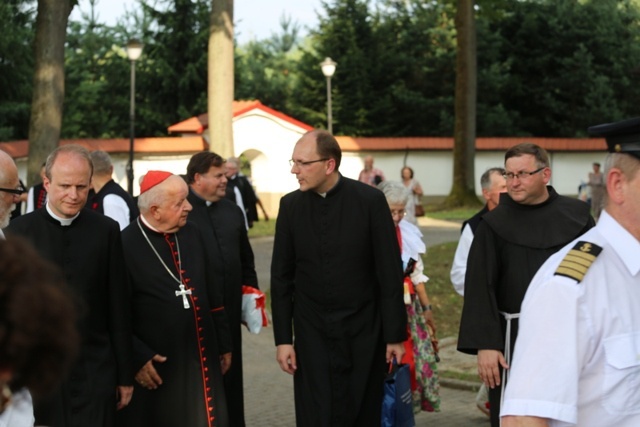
[255, 19]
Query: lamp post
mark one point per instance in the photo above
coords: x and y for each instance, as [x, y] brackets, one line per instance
[134, 50]
[328, 68]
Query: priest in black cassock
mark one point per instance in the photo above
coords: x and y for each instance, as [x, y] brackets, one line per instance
[181, 338]
[87, 247]
[530, 224]
[336, 281]
[223, 229]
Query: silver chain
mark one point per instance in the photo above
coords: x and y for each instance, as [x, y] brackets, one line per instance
[160, 259]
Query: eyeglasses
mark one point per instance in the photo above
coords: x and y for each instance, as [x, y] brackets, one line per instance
[520, 175]
[399, 212]
[299, 163]
[17, 191]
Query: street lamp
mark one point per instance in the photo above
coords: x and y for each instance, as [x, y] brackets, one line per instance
[328, 68]
[134, 50]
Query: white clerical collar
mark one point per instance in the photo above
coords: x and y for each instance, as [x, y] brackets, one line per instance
[1, 234]
[324, 195]
[65, 222]
[149, 225]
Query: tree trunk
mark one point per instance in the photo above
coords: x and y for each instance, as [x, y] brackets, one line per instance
[220, 96]
[463, 189]
[48, 83]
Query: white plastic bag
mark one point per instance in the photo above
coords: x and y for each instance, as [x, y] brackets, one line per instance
[254, 316]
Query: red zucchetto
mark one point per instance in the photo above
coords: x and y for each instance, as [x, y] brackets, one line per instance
[153, 178]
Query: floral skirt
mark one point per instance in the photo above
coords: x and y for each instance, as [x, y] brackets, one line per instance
[426, 395]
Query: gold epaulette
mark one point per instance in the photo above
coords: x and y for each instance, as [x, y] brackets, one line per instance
[578, 260]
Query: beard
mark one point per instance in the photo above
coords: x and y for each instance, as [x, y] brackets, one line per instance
[5, 215]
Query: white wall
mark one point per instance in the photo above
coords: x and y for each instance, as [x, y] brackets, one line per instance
[268, 143]
[434, 169]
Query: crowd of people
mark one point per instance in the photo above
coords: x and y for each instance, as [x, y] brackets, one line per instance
[137, 303]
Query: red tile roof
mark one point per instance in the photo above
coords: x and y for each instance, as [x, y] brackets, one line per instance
[348, 143]
[192, 144]
[198, 124]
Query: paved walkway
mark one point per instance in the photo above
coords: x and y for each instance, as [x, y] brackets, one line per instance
[269, 391]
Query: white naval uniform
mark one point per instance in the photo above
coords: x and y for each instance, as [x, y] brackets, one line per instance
[577, 357]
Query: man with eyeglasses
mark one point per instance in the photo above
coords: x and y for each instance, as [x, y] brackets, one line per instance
[10, 189]
[531, 223]
[336, 278]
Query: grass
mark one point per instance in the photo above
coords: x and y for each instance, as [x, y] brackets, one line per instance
[447, 304]
[263, 228]
[459, 214]
[463, 376]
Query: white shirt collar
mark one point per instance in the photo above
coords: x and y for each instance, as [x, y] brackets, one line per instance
[63, 221]
[144, 220]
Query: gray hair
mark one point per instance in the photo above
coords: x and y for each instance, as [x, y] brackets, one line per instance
[234, 161]
[154, 196]
[101, 162]
[395, 192]
[485, 179]
[628, 165]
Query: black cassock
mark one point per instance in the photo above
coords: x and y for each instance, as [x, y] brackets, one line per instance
[191, 338]
[336, 276]
[509, 246]
[89, 251]
[230, 254]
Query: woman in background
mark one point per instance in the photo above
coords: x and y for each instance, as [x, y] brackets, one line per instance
[422, 345]
[415, 190]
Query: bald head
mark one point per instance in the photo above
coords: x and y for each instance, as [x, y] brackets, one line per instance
[8, 180]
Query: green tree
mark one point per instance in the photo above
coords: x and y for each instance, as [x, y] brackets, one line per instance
[413, 74]
[267, 69]
[97, 80]
[345, 34]
[570, 64]
[171, 76]
[16, 67]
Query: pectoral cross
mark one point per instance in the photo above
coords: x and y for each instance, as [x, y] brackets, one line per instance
[183, 293]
